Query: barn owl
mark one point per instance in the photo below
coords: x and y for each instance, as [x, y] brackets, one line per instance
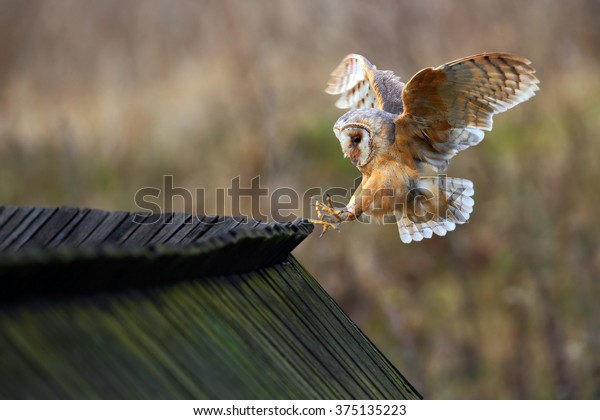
[395, 132]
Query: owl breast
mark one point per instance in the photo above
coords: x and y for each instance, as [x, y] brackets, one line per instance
[384, 192]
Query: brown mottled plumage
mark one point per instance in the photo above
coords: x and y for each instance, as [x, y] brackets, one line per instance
[394, 130]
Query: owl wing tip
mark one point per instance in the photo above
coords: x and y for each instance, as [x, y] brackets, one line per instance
[353, 80]
[332, 89]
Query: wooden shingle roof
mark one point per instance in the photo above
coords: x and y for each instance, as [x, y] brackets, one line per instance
[98, 304]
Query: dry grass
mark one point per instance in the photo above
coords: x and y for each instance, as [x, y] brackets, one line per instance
[99, 99]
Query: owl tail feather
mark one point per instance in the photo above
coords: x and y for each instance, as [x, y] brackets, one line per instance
[435, 205]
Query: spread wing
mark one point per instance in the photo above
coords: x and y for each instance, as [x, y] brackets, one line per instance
[361, 85]
[446, 108]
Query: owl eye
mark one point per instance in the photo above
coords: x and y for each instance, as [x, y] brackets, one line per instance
[356, 139]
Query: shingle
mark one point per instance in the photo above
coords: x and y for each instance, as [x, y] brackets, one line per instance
[177, 222]
[91, 220]
[49, 228]
[18, 225]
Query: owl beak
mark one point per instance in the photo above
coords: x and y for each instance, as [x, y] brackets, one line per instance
[354, 155]
[353, 159]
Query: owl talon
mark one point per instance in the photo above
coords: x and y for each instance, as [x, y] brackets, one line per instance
[327, 208]
[326, 226]
[329, 217]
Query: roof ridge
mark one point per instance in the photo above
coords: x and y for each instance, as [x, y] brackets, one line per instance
[235, 249]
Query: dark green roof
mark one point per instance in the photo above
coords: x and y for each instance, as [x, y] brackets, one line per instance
[96, 304]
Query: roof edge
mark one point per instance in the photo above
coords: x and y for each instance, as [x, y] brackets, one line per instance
[33, 273]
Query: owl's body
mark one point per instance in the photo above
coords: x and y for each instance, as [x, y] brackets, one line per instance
[394, 131]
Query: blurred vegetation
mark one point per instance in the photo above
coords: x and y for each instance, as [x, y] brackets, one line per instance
[99, 99]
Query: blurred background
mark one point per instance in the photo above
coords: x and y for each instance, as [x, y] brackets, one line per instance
[100, 99]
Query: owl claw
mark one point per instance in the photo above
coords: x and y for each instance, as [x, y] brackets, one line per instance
[327, 208]
[326, 225]
[326, 211]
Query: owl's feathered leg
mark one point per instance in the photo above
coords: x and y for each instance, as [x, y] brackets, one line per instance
[330, 217]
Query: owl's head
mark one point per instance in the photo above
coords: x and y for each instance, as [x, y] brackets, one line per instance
[364, 133]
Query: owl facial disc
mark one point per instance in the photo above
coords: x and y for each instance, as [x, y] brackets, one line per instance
[356, 141]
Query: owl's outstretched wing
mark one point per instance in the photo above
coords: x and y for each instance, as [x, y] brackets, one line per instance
[361, 85]
[446, 108]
